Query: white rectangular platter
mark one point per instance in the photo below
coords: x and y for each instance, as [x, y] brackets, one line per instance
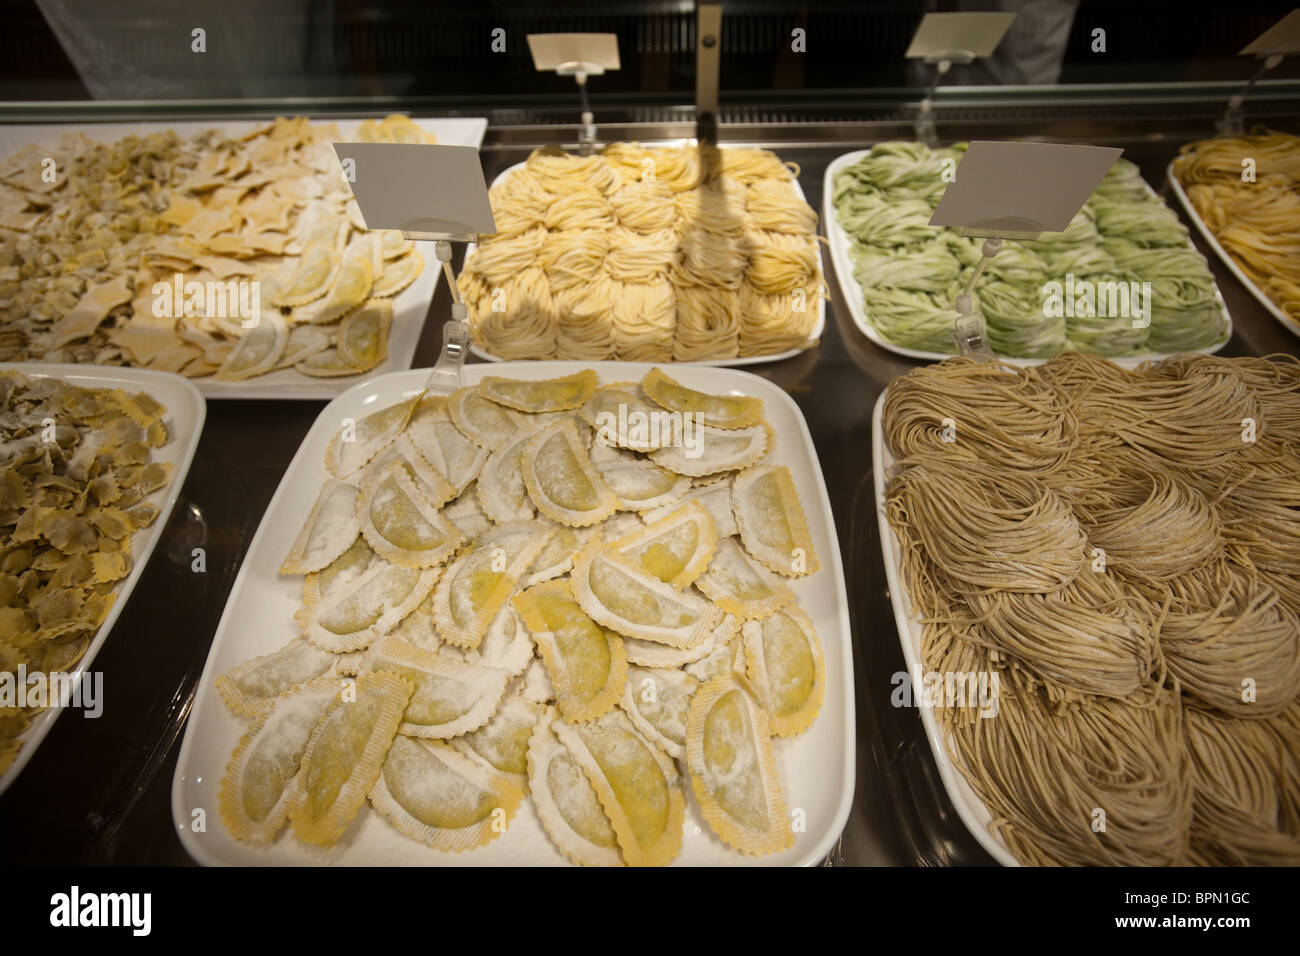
[841, 242]
[410, 306]
[1225, 257]
[819, 325]
[969, 807]
[817, 767]
[184, 420]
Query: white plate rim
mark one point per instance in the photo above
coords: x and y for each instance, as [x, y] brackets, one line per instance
[819, 327]
[972, 811]
[851, 289]
[145, 380]
[612, 371]
[410, 306]
[1224, 256]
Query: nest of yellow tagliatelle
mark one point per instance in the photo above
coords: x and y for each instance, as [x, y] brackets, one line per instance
[673, 254]
[1118, 552]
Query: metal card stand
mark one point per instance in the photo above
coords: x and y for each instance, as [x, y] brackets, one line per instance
[1233, 121]
[942, 39]
[579, 55]
[1279, 41]
[942, 62]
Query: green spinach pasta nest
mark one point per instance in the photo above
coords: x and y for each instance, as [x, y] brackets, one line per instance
[1124, 240]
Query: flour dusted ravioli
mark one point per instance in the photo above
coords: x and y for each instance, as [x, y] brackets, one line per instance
[450, 698]
[434, 488]
[506, 645]
[637, 483]
[443, 445]
[771, 520]
[359, 441]
[566, 801]
[258, 351]
[486, 423]
[500, 487]
[716, 450]
[675, 549]
[251, 688]
[783, 660]
[720, 411]
[367, 608]
[622, 418]
[733, 768]
[335, 578]
[503, 741]
[585, 662]
[477, 584]
[343, 757]
[401, 525]
[725, 655]
[636, 783]
[542, 395]
[557, 557]
[618, 594]
[715, 498]
[562, 481]
[654, 654]
[738, 585]
[329, 530]
[657, 700]
[258, 783]
[438, 796]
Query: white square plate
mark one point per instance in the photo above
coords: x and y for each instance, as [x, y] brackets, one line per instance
[410, 306]
[816, 767]
[184, 420]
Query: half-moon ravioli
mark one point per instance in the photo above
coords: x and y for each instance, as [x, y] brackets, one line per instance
[622, 596]
[638, 484]
[783, 660]
[676, 549]
[328, 532]
[367, 608]
[720, 411]
[710, 451]
[560, 478]
[486, 423]
[344, 755]
[771, 521]
[585, 662]
[658, 700]
[477, 584]
[738, 585]
[438, 796]
[733, 768]
[359, 441]
[566, 801]
[251, 688]
[636, 782]
[401, 524]
[450, 698]
[258, 783]
[541, 395]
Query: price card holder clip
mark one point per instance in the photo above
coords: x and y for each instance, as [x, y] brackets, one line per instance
[1280, 40]
[578, 55]
[943, 39]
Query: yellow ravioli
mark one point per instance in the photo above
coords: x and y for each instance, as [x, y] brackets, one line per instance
[330, 529]
[733, 769]
[562, 481]
[636, 783]
[738, 585]
[771, 521]
[783, 660]
[450, 697]
[438, 796]
[566, 801]
[250, 688]
[585, 662]
[344, 755]
[675, 549]
[542, 395]
[720, 411]
[403, 526]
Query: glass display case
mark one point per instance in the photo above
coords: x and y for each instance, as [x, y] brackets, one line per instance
[810, 82]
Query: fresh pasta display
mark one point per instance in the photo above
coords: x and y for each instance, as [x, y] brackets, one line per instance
[1246, 189]
[1121, 280]
[674, 254]
[1118, 554]
[214, 256]
[552, 590]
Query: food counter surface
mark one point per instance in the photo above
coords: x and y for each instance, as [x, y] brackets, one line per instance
[98, 790]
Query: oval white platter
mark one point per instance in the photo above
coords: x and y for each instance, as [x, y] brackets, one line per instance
[1226, 257]
[841, 241]
[970, 808]
[184, 419]
[818, 327]
[410, 306]
[817, 767]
